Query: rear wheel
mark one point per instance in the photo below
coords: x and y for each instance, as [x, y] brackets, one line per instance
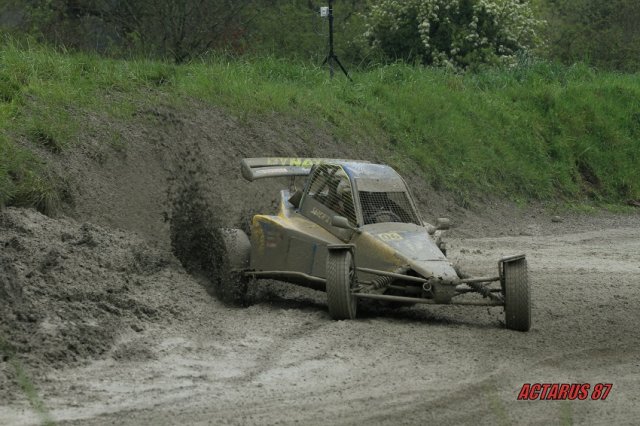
[517, 296]
[230, 258]
[341, 278]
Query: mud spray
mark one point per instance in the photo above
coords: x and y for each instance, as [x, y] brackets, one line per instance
[199, 238]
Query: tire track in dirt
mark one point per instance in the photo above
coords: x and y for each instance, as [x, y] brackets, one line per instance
[282, 360]
[271, 355]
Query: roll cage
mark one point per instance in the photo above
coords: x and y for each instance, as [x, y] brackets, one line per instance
[321, 199]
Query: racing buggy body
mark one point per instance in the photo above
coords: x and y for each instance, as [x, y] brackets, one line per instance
[354, 231]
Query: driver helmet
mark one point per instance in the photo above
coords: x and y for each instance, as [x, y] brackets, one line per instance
[344, 189]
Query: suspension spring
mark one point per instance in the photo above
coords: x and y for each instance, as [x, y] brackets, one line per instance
[382, 282]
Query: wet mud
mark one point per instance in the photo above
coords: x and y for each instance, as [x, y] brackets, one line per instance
[111, 311]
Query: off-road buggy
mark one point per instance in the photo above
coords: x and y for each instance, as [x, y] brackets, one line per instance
[353, 230]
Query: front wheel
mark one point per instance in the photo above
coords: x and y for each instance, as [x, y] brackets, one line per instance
[517, 296]
[341, 278]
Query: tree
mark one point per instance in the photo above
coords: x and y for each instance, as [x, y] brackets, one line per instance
[605, 34]
[180, 29]
[459, 34]
[183, 29]
[177, 29]
[70, 23]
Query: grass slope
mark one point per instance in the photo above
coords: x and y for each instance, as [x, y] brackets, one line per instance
[532, 132]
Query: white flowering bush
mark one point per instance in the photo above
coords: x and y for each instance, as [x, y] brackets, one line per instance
[458, 34]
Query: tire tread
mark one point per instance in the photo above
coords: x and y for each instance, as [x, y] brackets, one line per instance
[339, 299]
[235, 251]
[517, 296]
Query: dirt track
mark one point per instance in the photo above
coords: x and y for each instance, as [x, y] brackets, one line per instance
[111, 329]
[283, 360]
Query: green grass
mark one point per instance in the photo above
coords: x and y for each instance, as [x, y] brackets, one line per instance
[537, 131]
[26, 384]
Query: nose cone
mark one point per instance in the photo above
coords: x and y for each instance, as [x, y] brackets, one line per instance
[411, 241]
[413, 245]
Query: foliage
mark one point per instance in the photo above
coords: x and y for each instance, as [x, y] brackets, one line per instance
[603, 33]
[65, 23]
[458, 33]
[176, 29]
[294, 29]
[452, 33]
[181, 29]
[536, 130]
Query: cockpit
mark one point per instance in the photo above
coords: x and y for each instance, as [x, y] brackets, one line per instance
[362, 195]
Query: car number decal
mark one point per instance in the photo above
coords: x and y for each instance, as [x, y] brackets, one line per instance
[390, 236]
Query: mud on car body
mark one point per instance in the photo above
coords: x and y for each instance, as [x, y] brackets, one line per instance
[353, 231]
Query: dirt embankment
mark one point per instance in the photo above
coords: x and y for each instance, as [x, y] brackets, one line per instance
[70, 289]
[104, 319]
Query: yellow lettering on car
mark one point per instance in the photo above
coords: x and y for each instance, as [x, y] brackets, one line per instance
[293, 161]
[390, 236]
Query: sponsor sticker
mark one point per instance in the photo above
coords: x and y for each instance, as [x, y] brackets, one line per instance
[564, 391]
[321, 215]
[297, 162]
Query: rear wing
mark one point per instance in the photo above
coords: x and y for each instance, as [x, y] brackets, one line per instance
[270, 167]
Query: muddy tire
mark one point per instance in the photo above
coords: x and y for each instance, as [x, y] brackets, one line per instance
[230, 257]
[341, 278]
[517, 296]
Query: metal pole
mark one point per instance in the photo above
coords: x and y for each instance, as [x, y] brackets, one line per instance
[331, 54]
[403, 299]
[331, 57]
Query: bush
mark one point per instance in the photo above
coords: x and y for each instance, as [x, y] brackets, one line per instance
[453, 33]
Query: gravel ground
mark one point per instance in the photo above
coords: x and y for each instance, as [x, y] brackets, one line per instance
[190, 359]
